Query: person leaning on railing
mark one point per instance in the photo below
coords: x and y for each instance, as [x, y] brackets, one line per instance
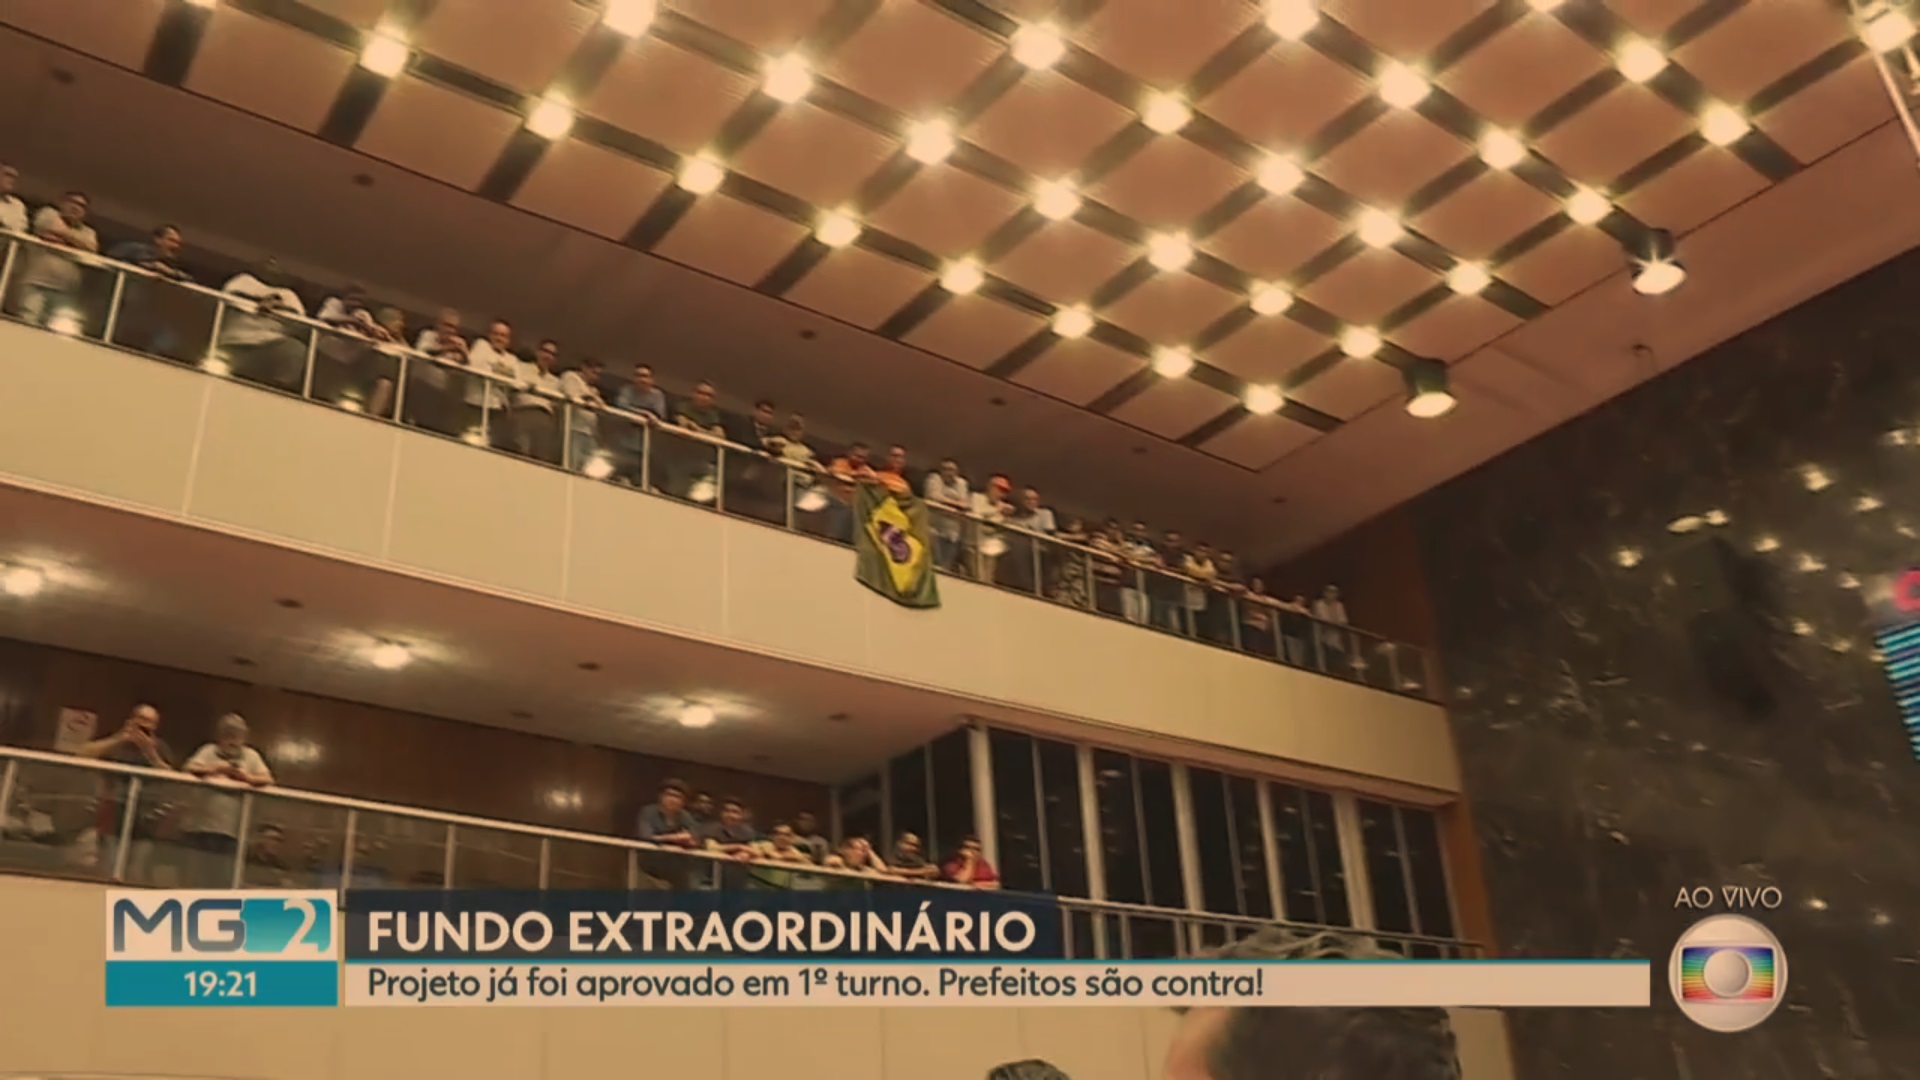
[142, 324]
[50, 279]
[433, 400]
[137, 742]
[258, 345]
[13, 212]
[212, 828]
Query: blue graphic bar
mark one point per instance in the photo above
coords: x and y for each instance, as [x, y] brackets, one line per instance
[1900, 655]
[279, 984]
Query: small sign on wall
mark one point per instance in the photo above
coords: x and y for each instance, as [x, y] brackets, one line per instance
[75, 729]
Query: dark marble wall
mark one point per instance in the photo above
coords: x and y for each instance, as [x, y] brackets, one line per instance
[1605, 768]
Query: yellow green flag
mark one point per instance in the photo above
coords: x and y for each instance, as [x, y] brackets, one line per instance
[893, 554]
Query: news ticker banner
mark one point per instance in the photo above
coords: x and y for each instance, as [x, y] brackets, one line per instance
[892, 949]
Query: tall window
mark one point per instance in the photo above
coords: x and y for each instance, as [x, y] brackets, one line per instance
[1312, 879]
[1231, 846]
[907, 799]
[1406, 871]
[1016, 811]
[1120, 847]
[952, 794]
[1065, 829]
[860, 809]
[1250, 847]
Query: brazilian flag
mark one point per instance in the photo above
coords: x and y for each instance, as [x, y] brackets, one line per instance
[892, 553]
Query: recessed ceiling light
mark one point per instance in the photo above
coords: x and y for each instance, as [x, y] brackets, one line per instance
[1639, 59]
[1544, 5]
[1278, 174]
[1291, 19]
[22, 581]
[1659, 277]
[1428, 396]
[1262, 399]
[1038, 46]
[1165, 113]
[1377, 228]
[962, 276]
[930, 141]
[1401, 86]
[1888, 30]
[701, 175]
[552, 118]
[1359, 342]
[1072, 322]
[1056, 200]
[1172, 362]
[384, 54]
[1722, 125]
[788, 78]
[629, 17]
[1468, 278]
[695, 715]
[837, 228]
[1268, 298]
[204, 3]
[390, 656]
[1169, 251]
[1501, 149]
[1587, 206]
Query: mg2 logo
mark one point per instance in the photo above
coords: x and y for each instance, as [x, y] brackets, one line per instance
[165, 925]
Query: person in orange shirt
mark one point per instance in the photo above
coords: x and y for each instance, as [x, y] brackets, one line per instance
[847, 470]
[893, 474]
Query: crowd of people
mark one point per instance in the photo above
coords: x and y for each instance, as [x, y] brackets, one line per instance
[488, 387]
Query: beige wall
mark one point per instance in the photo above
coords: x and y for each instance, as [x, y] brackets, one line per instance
[52, 1019]
[170, 441]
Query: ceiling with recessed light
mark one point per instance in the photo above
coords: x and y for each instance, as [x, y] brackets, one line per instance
[1240, 234]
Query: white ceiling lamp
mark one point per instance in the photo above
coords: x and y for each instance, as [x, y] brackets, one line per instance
[701, 175]
[1887, 29]
[389, 656]
[788, 79]
[1278, 174]
[1291, 19]
[1588, 207]
[1377, 228]
[929, 142]
[22, 581]
[837, 229]
[1169, 251]
[1262, 399]
[629, 18]
[1401, 86]
[1469, 278]
[695, 715]
[1639, 59]
[1056, 200]
[1501, 149]
[1427, 394]
[1038, 46]
[1544, 5]
[1723, 125]
[552, 118]
[1172, 362]
[1267, 298]
[1073, 322]
[204, 3]
[385, 53]
[1359, 342]
[1165, 112]
[962, 276]
[1656, 270]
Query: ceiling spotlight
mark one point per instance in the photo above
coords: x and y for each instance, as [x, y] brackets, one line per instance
[1359, 342]
[962, 276]
[204, 3]
[1291, 19]
[22, 581]
[1268, 298]
[930, 141]
[695, 715]
[836, 228]
[701, 175]
[1656, 271]
[1544, 5]
[1262, 399]
[1169, 251]
[1815, 478]
[1401, 86]
[1722, 125]
[1172, 362]
[1165, 113]
[1639, 59]
[551, 119]
[1056, 200]
[390, 656]
[1038, 46]
[629, 17]
[1587, 206]
[1278, 174]
[1072, 322]
[384, 54]
[1501, 149]
[1468, 278]
[1377, 228]
[1427, 393]
[1887, 30]
[788, 78]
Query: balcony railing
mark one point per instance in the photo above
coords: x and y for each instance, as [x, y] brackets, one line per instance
[77, 817]
[133, 309]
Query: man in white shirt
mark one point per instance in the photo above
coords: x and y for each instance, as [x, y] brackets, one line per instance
[1023, 549]
[536, 422]
[258, 345]
[212, 828]
[487, 398]
[581, 387]
[1335, 642]
[432, 402]
[13, 212]
[948, 497]
[50, 278]
[993, 505]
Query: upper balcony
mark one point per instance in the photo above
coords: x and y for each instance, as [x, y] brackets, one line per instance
[210, 411]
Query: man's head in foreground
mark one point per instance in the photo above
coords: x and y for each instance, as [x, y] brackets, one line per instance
[1220, 1043]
